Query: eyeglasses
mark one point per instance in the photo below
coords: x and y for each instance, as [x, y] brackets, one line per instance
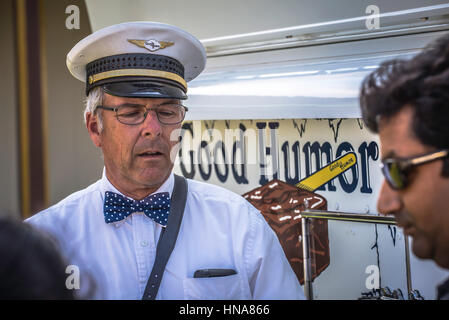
[396, 170]
[168, 114]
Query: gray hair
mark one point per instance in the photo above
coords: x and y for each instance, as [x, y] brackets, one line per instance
[93, 100]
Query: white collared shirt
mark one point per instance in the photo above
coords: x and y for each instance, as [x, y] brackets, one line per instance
[220, 229]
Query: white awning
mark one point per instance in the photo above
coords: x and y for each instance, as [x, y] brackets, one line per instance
[324, 89]
[310, 82]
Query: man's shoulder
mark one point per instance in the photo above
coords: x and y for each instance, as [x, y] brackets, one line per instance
[209, 191]
[65, 206]
[220, 200]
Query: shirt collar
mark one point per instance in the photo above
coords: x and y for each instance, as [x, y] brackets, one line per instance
[106, 185]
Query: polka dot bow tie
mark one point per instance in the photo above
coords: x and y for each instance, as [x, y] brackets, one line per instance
[118, 207]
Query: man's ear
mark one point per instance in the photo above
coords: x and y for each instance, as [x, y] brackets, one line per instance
[93, 127]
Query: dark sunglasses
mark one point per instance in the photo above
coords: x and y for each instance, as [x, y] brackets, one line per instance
[396, 170]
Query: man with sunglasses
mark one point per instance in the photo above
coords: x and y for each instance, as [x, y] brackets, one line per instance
[407, 103]
[141, 231]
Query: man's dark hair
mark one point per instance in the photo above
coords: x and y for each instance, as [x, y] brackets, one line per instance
[421, 83]
[30, 264]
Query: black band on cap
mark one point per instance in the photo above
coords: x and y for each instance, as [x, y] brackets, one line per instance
[144, 89]
[126, 67]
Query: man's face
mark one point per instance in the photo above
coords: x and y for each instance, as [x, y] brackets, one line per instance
[136, 157]
[422, 208]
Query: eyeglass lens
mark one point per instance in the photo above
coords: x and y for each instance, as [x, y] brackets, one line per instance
[167, 114]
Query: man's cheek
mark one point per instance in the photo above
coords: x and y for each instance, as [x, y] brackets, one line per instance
[126, 156]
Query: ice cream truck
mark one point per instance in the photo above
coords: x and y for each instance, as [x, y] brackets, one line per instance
[275, 117]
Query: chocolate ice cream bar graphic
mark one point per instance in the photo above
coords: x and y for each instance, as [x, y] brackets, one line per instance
[281, 204]
[327, 173]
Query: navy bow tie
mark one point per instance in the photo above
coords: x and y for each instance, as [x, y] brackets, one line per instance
[117, 207]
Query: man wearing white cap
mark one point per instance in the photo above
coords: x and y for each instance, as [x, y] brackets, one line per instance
[141, 231]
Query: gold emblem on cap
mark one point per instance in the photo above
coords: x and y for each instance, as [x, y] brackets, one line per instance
[152, 44]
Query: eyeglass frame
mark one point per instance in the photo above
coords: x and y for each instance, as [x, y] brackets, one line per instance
[405, 165]
[115, 109]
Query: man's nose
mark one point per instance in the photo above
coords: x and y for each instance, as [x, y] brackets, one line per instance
[389, 201]
[151, 125]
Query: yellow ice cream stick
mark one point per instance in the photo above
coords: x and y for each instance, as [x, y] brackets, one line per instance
[327, 173]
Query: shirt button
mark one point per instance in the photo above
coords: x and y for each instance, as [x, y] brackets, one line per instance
[144, 243]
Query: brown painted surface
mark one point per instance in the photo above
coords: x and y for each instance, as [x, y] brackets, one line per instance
[35, 130]
[281, 204]
[49, 104]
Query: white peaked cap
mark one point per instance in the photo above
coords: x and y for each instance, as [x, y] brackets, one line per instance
[138, 59]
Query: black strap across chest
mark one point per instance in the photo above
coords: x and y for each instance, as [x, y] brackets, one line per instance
[168, 237]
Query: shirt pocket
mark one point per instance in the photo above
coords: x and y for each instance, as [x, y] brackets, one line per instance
[214, 288]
